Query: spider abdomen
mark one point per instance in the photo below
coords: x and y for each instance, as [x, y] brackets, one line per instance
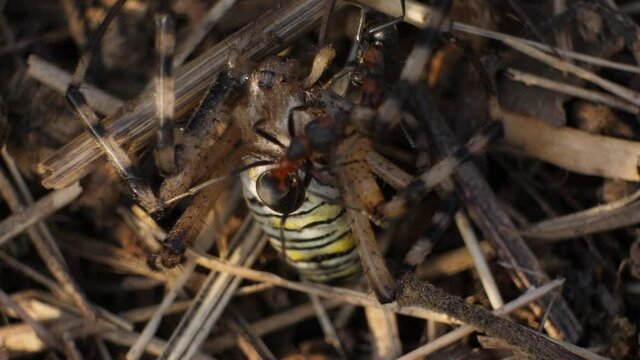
[317, 236]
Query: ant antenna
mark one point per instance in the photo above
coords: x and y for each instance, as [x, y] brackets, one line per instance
[392, 22]
[216, 180]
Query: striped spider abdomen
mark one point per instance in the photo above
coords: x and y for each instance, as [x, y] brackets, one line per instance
[315, 239]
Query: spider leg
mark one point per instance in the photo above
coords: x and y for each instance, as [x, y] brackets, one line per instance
[390, 111]
[358, 186]
[204, 129]
[208, 127]
[423, 184]
[165, 96]
[115, 153]
[439, 224]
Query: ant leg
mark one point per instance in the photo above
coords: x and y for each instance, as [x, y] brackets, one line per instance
[115, 153]
[390, 111]
[165, 97]
[325, 22]
[391, 22]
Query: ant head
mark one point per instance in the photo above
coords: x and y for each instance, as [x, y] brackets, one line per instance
[282, 191]
[380, 30]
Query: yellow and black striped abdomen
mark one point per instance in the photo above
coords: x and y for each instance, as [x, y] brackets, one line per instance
[317, 237]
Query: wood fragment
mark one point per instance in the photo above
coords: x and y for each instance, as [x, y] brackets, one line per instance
[591, 95]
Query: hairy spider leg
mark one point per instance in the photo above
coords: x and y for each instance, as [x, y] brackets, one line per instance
[115, 153]
[165, 97]
[390, 111]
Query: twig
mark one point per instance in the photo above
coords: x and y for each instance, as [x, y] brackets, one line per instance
[155, 347]
[463, 331]
[494, 222]
[330, 334]
[214, 296]
[572, 149]
[591, 95]
[271, 324]
[40, 235]
[249, 342]
[451, 262]
[385, 338]
[621, 213]
[32, 274]
[75, 22]
[70, 347]
[416, 293]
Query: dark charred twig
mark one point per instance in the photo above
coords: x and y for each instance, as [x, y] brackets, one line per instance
[419, 293]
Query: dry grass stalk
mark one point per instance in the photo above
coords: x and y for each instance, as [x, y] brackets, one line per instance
[58, 79]
[330, 334]
[42, 332]
[471, 242]
[385, 336]
[151, 326]
[343, 294]
[591, 95]
[624, 93]
[41, 209]
[451, 262]
[271, 324]
[464, 331]
[214, 296]
[248, 341]
[624, 212]
[573, 149]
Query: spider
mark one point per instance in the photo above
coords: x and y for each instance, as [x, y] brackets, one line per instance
[314, 216]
